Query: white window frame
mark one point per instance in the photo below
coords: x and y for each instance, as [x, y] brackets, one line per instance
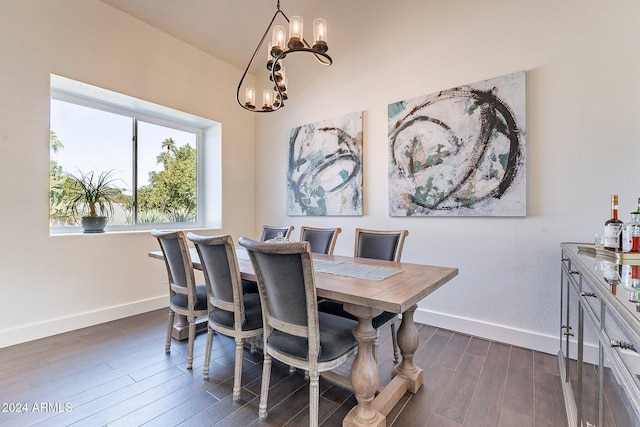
[208, 147]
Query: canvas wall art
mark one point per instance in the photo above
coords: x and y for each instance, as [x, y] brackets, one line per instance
[324, 174]
[460, 152]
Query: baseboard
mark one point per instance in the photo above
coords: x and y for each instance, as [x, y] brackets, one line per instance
[492, 331]
[36, 330]
[502, 333]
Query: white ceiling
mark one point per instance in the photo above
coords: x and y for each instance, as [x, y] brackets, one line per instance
[227, 29]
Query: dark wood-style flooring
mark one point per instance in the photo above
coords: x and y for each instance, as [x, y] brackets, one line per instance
[118, 374]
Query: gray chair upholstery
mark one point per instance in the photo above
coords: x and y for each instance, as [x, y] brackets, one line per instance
[230, 312]
[376, 244]
[271, 232]
[185, 297]
[294, 331]
[322, 240]
[379, 244]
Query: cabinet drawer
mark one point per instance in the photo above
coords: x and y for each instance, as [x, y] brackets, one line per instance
[606, 392]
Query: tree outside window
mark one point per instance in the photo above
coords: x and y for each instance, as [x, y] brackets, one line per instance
[155, 163]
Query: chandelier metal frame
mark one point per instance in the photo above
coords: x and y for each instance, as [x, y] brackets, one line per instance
[319, 52]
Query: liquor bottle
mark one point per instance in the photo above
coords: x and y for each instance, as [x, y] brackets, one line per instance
[635, 234]
[613, 227]
[631, 234]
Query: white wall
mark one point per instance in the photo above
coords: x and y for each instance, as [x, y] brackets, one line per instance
[50, 284]
[583, 141]
[582, 64]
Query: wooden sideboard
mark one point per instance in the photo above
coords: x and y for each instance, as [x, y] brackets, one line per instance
[600, 339]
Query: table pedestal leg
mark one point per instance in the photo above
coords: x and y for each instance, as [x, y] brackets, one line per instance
[180, 330]
[408, 340]
[364, 371]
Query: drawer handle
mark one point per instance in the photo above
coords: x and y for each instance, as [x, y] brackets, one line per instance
[588, 294]
[564, 259]
[622, 344]
[568, 332]
[574, 272]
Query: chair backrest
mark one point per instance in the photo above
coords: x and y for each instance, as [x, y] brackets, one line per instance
[271, 232]
[287, 288]
[221, 273]
[322, 240]
[175, 249]
[379, 244]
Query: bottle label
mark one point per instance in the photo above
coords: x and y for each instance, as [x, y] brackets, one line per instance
[627, 238]
[611, 274]
[611, 236]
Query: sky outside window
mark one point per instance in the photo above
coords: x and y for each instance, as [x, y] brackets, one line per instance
[96, 140]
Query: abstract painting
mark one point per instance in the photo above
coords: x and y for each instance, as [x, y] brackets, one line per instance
[460, 151]
[324, 176]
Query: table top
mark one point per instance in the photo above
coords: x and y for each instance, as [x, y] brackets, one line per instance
[395, 294]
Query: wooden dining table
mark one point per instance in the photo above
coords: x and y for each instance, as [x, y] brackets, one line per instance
[398, 288]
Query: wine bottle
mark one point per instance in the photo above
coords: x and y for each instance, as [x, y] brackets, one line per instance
[612, 228]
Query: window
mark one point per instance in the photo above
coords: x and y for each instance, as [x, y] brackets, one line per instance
[153, 157]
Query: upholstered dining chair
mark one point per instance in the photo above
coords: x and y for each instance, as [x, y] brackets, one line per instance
[322, 240]
[271, 232]
[185, 297]
[295, 332]
[379, 244]
[375, 244]
[230, 312]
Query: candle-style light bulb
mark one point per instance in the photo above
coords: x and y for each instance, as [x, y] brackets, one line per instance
[277, 40]
[270, 58]
[281, 81]
[267, 99]
[320, 35]
[250, 98]
[295, 32]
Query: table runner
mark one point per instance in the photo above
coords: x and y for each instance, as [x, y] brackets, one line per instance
[351, 269]
[241, 253]
[343, 268]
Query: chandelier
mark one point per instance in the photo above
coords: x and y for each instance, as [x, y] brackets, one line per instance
[273, 100]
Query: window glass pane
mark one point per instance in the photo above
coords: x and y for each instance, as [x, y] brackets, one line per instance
[166, 174]
[152, 154]
[88, 141]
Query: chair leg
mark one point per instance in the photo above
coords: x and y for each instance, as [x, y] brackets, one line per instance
[314, 397]
[264, 391]
[192, 338]
[394, 339]
[207, 354]
[237, 374]
[167, 345]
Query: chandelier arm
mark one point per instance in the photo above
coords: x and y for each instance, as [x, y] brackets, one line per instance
[246, 70]
[320, 56]
[315, 53]
[275, 81]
